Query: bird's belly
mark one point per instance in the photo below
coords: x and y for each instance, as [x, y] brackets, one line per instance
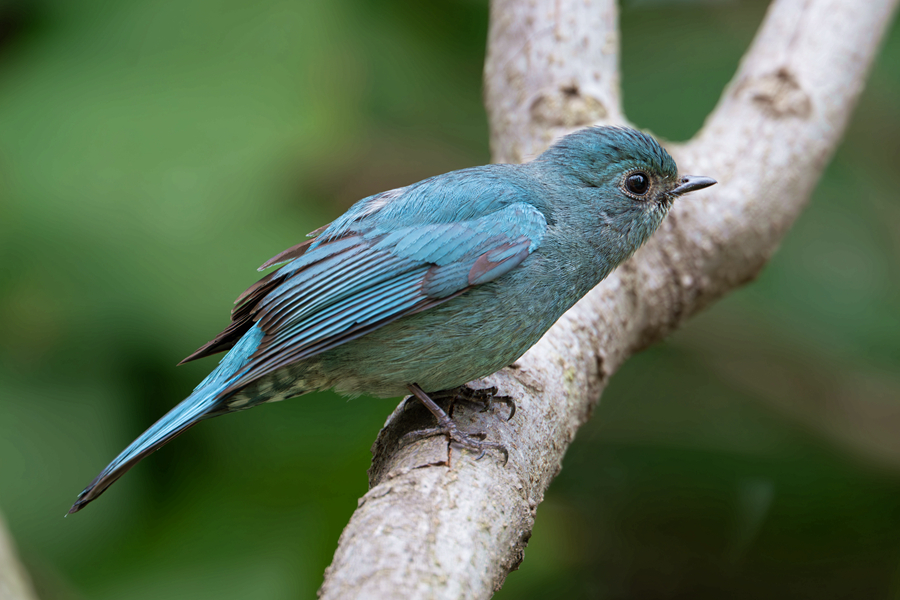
[469, 337]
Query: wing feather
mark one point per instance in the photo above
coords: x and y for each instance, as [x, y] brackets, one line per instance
[345, 287]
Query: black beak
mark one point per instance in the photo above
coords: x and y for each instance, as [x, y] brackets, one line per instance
[692, 183]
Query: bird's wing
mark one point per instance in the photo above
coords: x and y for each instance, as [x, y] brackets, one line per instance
[344, 288]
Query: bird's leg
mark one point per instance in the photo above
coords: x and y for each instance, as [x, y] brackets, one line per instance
[446, 426]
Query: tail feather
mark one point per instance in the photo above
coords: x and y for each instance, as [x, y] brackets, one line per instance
[178, 420]
[206, 401]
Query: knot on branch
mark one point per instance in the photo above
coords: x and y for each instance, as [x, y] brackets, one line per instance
[779, 94]
[568, 107]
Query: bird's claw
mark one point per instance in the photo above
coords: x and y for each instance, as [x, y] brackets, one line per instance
[485, 398]
[472, 441]
[491, 399]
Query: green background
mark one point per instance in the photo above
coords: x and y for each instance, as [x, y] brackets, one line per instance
[154, 152]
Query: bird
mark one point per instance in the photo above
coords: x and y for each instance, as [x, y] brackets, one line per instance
[426, 287]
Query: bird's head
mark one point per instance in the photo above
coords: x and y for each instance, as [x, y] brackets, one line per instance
[622, 178]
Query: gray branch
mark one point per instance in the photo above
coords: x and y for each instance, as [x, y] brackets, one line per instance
[437, 524]
[14, 582]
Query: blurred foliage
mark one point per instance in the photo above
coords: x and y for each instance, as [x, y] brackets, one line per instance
[154, 152]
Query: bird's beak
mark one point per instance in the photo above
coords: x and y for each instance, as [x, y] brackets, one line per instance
[692, 183]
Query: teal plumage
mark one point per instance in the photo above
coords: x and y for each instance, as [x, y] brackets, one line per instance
[434, 284]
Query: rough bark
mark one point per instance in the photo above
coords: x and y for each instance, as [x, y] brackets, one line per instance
[436, 523]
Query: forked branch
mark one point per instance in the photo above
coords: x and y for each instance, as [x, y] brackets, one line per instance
[429, 530]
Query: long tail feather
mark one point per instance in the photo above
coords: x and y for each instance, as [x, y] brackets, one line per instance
[178, 420]
[205, 402]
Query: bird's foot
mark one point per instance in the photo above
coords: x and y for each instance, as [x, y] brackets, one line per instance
[484, 398]
[446, 426]
[472, 441]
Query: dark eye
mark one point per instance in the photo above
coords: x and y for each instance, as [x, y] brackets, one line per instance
[637, 183]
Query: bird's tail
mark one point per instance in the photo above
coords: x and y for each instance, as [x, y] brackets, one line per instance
[175, 422]
[205, 402]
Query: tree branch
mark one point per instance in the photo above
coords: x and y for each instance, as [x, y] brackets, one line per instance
[552, 67]
[436, 524]
[14, 583]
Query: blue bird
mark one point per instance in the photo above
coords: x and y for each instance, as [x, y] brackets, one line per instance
[426, 287]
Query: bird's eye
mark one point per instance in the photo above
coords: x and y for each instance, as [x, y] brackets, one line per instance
[637, 183]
